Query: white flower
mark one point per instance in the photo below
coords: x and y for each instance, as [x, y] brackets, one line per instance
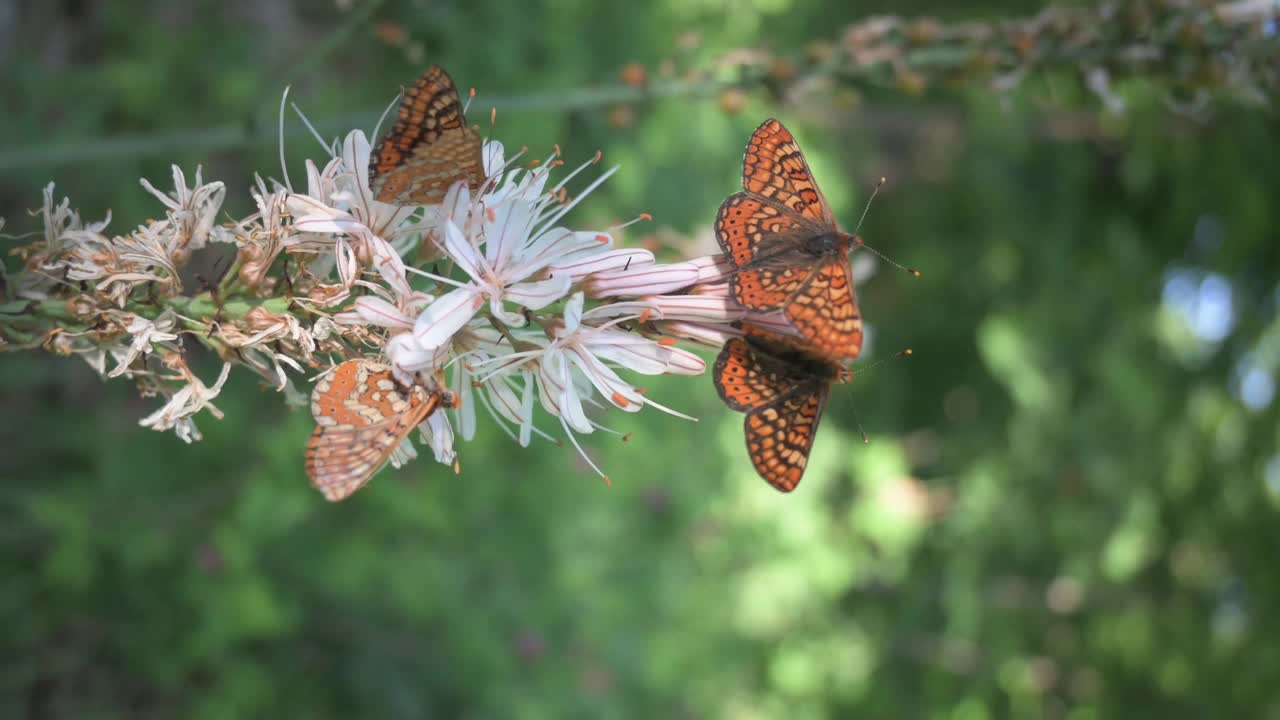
[437, 433]
[710, 334]
[576, 361]
[317, 220]
[192, 213]
[699, 308]
[382, 219]
[146, 333]
[191, 399]
[609, 261]
[637, 281]
[514, 242]
[712, 268]
[65, 240]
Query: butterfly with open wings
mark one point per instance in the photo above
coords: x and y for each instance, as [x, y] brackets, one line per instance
[788, 255]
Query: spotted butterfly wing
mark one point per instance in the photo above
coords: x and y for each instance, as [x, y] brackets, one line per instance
[782, 238]
[774, 170]
[430, 147]
[783, 390]
[362, 414]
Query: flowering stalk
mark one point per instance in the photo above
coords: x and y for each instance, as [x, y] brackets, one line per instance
[488, 295]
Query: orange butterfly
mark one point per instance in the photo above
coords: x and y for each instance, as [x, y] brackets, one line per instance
[362, 414]
[782, 239]
[783, 388]
[430, 147]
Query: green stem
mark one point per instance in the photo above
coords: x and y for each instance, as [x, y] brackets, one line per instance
[28, 320]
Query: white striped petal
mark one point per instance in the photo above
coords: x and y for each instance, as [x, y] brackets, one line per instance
[446, 316]
[462, 251]
[638, 282]
[376, 311]
[538, 294]
[613, 260]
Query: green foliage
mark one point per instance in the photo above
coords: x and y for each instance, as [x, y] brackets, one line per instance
[1066, 510]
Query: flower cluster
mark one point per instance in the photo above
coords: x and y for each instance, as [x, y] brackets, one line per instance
[489, 294]
[527, 312]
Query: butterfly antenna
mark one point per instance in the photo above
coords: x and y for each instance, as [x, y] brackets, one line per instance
[858, 241]
[861, 430]
[852, 372]
[871, 199]
[905, 352]
[910, 271]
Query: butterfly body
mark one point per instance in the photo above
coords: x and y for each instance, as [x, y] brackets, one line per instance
[782, 387]
[362, 414]
[788, 253]
[827, 244]
[430, 148]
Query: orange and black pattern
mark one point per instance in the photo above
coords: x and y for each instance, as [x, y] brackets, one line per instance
[788, 253]
[774, 169]
[430, 148]
[362, 414]
[783, 389]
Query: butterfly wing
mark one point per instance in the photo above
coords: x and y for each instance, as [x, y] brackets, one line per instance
[362, 414]
[774, 169]
[430, 148]
[746, 379]
[765, 230]
[825, 310]
[341, 460]
[783, 390]
[780, 434]
[751, 229]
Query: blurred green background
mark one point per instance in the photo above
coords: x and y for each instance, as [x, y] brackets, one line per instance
[1069, 507]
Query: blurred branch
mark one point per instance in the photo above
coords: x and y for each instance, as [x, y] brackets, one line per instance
[1190, 49]
[232, 137]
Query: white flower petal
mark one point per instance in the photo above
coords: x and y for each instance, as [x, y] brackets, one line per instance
[572, 315]
[463, 252]
[645, 356]
[438, 434]
[466, 410]
[705, 308]
[611, 260]
[355, 160]
[446, 316]
[493, 158]
[713, 268]
[637, 282]
[539, 294]
[571, 410]
[506, 233]
[683, 362]
[376, 311]
[556, 245]
[390, 266]
[707, 334]
[607, 382]
[405, 353]
[526, 411]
